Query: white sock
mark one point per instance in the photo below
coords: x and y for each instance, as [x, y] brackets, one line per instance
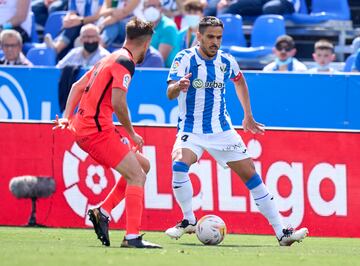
[131, 236]
[183, 192]
[265, 203]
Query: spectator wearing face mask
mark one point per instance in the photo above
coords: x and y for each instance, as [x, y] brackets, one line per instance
[285, 51]
[193, 12]
[165, 37]
[89, 53]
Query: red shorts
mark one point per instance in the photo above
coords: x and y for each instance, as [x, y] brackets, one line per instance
[105, 147]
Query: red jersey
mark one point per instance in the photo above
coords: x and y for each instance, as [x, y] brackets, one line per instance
[95, 110]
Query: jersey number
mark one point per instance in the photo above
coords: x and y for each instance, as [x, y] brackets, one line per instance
[184, 138]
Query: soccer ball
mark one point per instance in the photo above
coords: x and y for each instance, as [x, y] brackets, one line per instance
[210, 230]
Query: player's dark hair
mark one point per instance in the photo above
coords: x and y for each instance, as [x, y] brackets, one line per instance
[324, 45]
[209, 21]
[139, 29]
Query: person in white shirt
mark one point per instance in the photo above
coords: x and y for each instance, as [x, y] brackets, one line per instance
[323, 55]
[285, 51]
[89, 53]
[15, 14]
[11, 44]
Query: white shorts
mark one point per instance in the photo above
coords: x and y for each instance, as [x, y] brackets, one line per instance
[225, 146]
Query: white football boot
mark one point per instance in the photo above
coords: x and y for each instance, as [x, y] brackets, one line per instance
[183, 227]
[291, 235]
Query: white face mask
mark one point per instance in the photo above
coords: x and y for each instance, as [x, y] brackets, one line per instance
[191, 21]
[151, 14]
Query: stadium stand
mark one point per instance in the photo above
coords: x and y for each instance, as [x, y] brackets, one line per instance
[263, 36]
[53, 24]
[349, 63]
[233, 34]
[40, 56]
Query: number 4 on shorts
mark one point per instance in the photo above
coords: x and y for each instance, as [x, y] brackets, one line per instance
[184, 138]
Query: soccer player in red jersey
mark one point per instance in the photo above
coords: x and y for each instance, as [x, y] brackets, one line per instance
[99, 93]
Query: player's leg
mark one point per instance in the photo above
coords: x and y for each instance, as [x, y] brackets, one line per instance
[185, 153]
[229, 150]
[131, 169]
[117, 193]
[245, 169]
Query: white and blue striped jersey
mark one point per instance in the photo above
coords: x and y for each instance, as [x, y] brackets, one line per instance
[202, 109]
[85, 8]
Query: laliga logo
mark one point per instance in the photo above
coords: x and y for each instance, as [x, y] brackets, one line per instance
[95, 181]
[13, 103]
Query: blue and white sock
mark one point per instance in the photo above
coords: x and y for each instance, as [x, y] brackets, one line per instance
[265, 203]
[183, 190]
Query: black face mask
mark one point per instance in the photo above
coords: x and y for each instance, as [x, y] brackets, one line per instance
[91, 47]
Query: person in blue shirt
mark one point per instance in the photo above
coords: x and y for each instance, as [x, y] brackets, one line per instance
[197, 79]
[193, 12]
[80, 12]
[356, 66]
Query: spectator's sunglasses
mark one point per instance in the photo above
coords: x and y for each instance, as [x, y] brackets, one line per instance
[284, 47]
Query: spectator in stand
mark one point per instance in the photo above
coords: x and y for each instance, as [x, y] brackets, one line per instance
[173, 8]
[356, 66]
[285, 51]
[152, 59]
[80, 13]
[42, 9]
[89, 53]
[15, 14]
[11, 44]
[115, 15]
[258, 7]
[323, 55]
[193, 12]
[165, 37]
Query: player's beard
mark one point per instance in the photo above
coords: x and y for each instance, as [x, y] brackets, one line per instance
[141, 58]
[207, 51]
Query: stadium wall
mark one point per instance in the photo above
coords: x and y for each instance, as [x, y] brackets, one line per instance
[313, 176]
[280, 100]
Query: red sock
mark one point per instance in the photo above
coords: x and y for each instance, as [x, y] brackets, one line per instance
[115, 196]
[134, 198]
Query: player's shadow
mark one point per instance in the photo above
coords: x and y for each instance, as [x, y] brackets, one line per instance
[226, 246]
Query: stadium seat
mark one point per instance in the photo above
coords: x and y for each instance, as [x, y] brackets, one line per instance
[53, 24]
[322, 11]
[265, 31]
[349, 63]
[233, 34]
[34, 36]
[42, 56]
[1, 53]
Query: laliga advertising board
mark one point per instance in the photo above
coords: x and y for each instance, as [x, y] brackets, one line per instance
[314, 177]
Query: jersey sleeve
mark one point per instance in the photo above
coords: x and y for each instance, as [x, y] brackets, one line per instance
[122, 71]
[179, 67]
[235, 72]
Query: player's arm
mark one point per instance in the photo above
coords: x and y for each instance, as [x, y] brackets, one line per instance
[73, 99]
[175, 87]
[242, 91]
[120, 106]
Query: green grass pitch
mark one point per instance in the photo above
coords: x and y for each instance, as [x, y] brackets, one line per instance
[67, 247]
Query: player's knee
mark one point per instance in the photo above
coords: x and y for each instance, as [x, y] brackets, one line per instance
[138, 178]
[180, 167]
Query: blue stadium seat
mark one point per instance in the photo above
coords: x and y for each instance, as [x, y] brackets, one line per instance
[53, 24]
[1, 53]
[265, 31]
[349, 63]
[323, 11]
[42, 56]
[233, 34]
[34, 36]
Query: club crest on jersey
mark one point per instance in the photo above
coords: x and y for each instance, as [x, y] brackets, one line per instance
[198, 83]
[223, 68]
[126, 80]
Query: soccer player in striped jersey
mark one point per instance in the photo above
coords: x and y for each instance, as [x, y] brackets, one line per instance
[197, 79]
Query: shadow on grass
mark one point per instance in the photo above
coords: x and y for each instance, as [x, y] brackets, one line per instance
[225, 246]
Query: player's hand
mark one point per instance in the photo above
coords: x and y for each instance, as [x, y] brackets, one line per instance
[61, 123]
[184, 83]
[249, 124]
[138, 141]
